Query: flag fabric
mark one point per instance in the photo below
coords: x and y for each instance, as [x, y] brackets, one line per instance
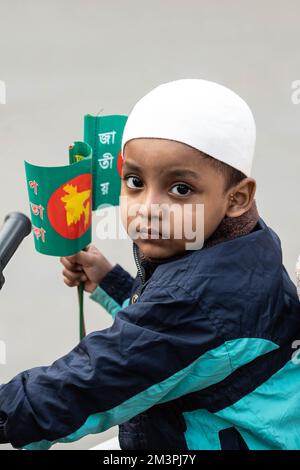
[60, 201]
[104, 135]
[78, 151]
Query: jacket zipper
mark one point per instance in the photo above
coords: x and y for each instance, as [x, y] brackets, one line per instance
[140, 269]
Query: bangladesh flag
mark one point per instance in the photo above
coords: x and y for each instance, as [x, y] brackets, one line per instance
[62, 198]
[60, 201]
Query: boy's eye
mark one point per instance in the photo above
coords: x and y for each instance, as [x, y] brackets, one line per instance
[133, 182]
[182, 189]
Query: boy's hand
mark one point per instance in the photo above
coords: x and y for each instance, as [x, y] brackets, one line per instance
[88, 266]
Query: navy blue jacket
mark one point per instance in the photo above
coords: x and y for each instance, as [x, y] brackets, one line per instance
[200, 355]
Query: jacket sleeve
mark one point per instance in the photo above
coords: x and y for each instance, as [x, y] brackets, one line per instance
[156, 350]
[114, 291]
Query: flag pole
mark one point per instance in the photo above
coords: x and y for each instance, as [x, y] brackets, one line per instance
[80, 291]
[73, 158]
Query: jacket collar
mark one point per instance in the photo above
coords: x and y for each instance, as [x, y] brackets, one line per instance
[233, 227]
[229, 228]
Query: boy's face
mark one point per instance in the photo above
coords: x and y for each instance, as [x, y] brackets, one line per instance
[165, 172]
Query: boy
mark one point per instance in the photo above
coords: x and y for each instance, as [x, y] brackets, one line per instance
[199, 355]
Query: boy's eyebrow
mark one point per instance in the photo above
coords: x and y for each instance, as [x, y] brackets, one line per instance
[131, 166]
[179, 172]
[182, 172]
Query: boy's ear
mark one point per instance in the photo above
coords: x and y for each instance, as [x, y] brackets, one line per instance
[240, 197]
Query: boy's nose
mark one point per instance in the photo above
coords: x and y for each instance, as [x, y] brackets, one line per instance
[151, 204]
[150, 208]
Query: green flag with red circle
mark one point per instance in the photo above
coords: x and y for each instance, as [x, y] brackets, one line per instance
[62, 198]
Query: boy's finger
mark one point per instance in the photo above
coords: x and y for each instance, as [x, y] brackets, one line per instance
[74, 276]
[66, 263]
[83, 258]
[92, 249]
[70, 283]
[69, 265]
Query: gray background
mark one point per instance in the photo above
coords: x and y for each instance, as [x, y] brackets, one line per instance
[61, 59]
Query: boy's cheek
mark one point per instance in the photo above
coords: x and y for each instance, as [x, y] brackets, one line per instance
[123, 213]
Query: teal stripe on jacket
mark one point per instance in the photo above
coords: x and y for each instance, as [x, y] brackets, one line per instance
[208, 369]
[267, 418]
[106, 301]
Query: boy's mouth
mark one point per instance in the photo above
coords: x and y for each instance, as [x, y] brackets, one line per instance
[150, 231]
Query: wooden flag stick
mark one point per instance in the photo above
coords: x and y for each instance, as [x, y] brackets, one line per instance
[82, 330]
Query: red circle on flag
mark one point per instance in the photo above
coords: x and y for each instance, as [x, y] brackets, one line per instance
[69, 208]
[120, 163]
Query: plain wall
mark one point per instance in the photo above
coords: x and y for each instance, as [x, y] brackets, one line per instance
[61, 59]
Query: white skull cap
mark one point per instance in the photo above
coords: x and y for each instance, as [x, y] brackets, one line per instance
[200, 113]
